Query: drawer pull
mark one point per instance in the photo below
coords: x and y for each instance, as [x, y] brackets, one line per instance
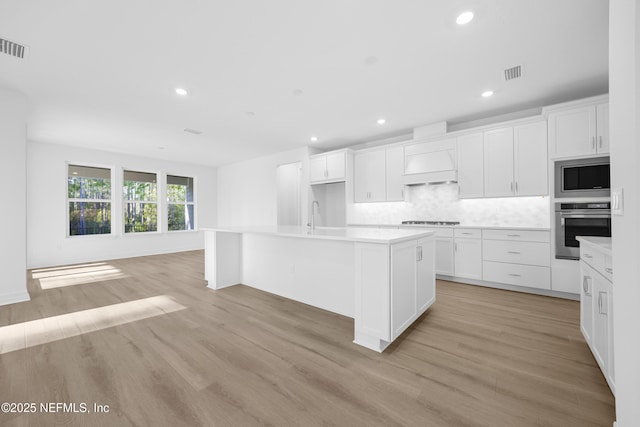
[588, 256]
[585, 285]
[514, 252]
[514, 275]
[609, 270]
[467, 233]
[513, 235]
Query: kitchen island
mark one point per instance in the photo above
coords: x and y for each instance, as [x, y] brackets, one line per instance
[383, 279]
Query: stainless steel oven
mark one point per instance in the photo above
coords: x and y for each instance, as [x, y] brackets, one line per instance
[580, 219]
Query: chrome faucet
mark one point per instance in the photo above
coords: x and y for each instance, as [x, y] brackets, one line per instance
[312, 224]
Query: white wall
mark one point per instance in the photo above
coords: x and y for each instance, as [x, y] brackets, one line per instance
[247, 191]
[441, 203]
[624, 102]
[47, 241]
[13, 283]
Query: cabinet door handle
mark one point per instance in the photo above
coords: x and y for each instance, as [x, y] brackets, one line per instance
[593, 142]
[514, 252]
[609, 270]
[600, 141]
[585, 285]
[516, 186]
[514, 275]
[588, 256]
[467, 233]
[602, 305]
[419, 253]
[455, 247]
[513, 235]
[512, 186]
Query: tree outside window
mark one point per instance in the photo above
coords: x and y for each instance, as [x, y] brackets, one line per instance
[140, 193]
[180, 203]
[89, 200]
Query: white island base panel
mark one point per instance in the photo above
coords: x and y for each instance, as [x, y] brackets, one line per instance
[384, 287]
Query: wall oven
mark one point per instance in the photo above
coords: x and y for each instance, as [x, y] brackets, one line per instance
[580, 219]
[583, 178]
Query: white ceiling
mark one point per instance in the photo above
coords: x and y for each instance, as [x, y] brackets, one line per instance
[102, 74]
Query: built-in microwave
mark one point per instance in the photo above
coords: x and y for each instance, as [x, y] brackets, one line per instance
[583, 178]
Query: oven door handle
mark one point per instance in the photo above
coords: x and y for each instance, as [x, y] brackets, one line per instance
[598, 216]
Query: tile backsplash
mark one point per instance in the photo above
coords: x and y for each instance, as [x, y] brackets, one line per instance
[441, 203]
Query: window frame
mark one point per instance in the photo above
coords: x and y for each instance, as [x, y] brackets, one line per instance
[124, 202]
[68, 199]
[194, 202]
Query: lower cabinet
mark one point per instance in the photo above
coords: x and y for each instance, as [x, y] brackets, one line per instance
[596, 312]
[444, 251]
[395, 284]
[467, 245]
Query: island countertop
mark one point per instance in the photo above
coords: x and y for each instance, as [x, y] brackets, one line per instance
[352, 234]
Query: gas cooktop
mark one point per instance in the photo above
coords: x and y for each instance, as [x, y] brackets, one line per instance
[432, 222]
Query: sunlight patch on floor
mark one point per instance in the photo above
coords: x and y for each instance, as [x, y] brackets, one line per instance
[54, 328]
[59, 277]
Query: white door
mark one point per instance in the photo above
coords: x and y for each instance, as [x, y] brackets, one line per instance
[444, 256]
[425, 279]
[586, 301]
[470, 166]
[573, 132]
[394, 172]
[498, 163]
[336, 166]
[602, 128]
[531, 163]
[468, 258]
[600, 338]
[318, 169]
[289, 194]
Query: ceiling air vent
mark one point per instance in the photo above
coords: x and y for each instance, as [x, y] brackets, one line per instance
[513, 73]
[193, 131]
[13, 48]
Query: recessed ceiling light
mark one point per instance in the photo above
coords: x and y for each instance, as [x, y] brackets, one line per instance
[297, 92]
[250, 114]
[381, 121]
[314, 139]
[464, 18]
[160, 148]
[487, 93]
[181, 92]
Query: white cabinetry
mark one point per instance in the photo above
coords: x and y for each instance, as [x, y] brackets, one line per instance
[444, 251]
[328, 167]
[378, 175]
[395, 284]
[515, 161]
[517, 257]
[369, 176]
[596, 306]
[579, 131]
[430, 161]
[468, 253]
[470, 166]
[394, 172]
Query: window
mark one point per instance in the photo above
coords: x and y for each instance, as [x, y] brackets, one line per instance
[89, 200]
[140, 193]
[180, 203]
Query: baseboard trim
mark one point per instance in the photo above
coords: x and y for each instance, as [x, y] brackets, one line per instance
[535, 291]
[14, 297]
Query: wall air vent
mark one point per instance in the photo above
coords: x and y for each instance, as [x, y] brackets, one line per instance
[193, 131]
[513, 73]
[12, 48]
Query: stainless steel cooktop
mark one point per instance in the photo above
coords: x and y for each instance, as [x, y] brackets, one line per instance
[431, 222]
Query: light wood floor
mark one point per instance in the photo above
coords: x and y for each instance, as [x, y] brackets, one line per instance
[242, 357]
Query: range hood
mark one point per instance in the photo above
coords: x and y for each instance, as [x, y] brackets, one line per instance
[430, 162]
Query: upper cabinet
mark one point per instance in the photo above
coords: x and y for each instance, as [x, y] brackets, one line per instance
[579, 131]
[471, 166]
[328, 167]
[378, 175]
[498, 163]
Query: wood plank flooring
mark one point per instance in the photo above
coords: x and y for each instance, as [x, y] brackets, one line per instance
[242, 357]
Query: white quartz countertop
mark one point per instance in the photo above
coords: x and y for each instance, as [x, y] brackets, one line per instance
[602, 243]
[355, 234]
[420, 226]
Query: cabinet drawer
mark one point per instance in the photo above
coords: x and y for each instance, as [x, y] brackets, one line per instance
[518, 235]
[444, 232]
[592, 257]
[517, 274]
[468, 233]
[530, 253]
